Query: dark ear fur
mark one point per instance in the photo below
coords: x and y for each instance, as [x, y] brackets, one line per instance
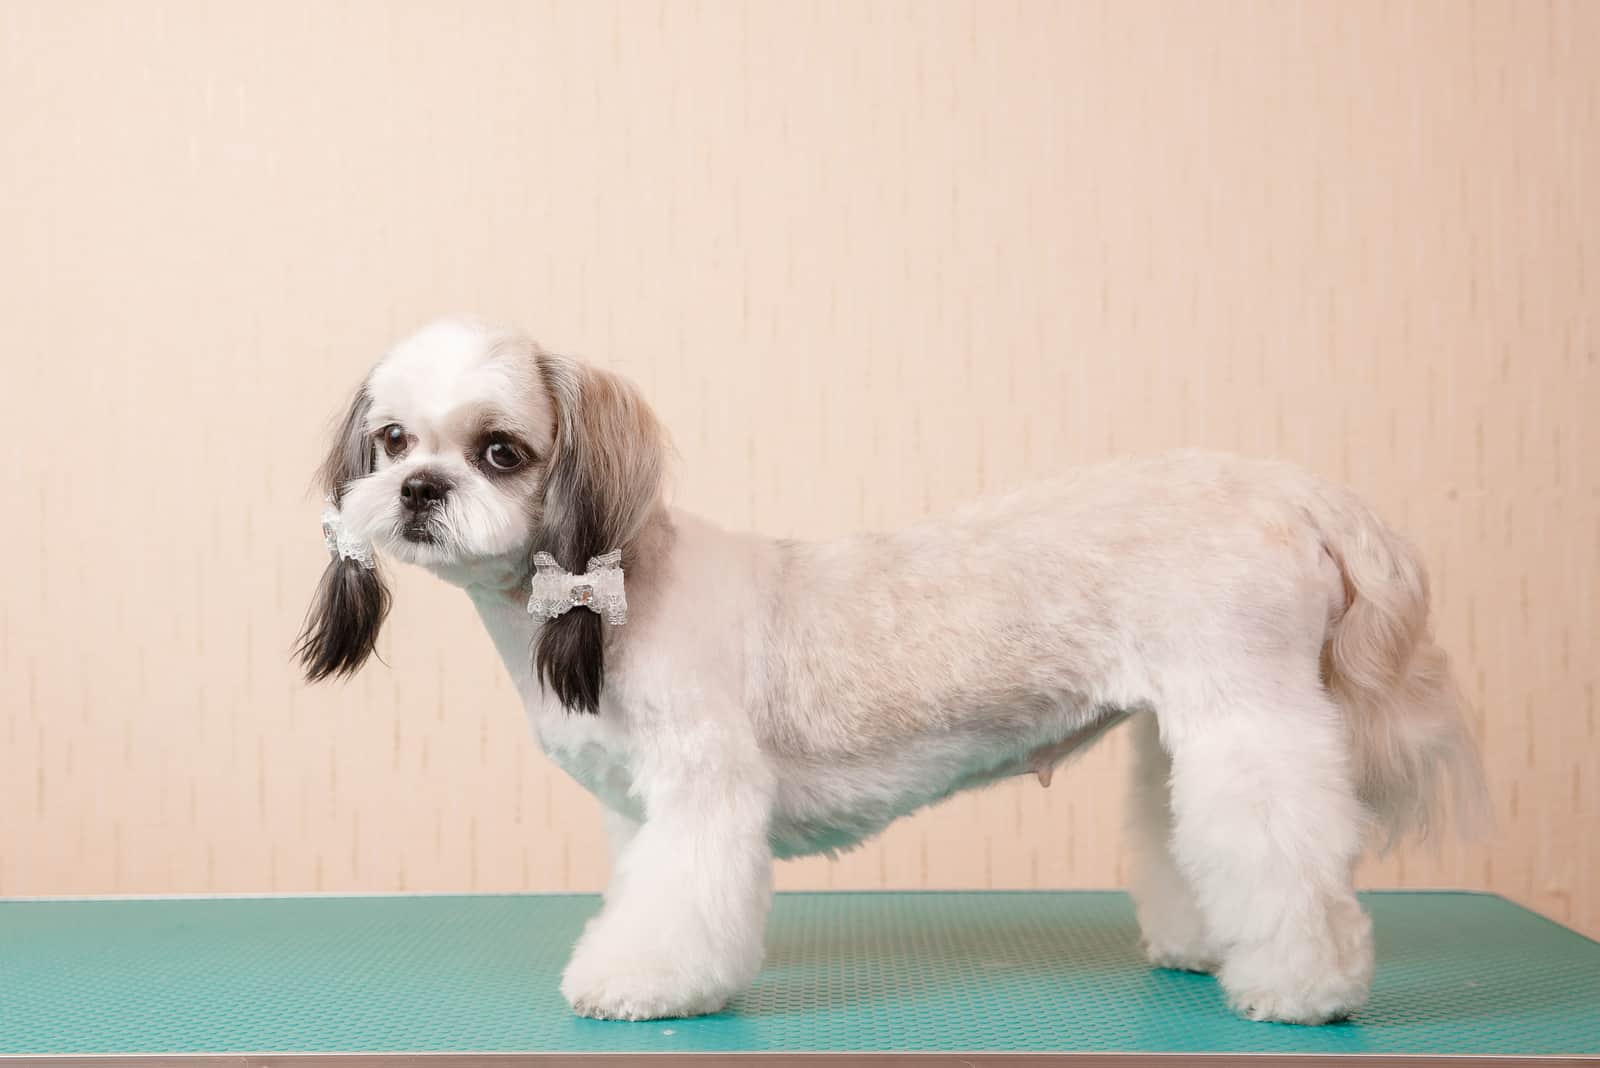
[602, 485]
[341, 627]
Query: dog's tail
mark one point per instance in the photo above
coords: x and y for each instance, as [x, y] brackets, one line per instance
[1407, 715]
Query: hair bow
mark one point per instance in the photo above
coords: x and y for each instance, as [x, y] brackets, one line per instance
[343, 544]
[599, 589]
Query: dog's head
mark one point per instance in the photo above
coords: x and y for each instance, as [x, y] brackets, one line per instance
[467, 450]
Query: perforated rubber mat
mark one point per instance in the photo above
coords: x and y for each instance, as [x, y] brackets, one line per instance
[1458, 974]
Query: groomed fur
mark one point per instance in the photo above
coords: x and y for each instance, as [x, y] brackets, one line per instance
[346, 614]
[604, 481]
[1406, 715]
[341, 628]
[769, 697]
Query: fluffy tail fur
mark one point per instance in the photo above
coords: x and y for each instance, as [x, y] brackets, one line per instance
[1405, 710]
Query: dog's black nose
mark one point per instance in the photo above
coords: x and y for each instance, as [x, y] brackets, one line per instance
[423, 490]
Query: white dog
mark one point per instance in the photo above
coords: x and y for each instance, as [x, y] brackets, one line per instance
[733, 698]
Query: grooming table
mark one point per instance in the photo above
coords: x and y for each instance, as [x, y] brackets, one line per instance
[1019, 978]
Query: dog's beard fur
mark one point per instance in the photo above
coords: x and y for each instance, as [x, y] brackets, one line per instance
[476, 524]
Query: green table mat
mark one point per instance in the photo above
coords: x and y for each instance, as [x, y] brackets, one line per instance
[1021, 972]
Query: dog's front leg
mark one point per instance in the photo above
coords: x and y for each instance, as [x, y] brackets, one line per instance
[682, 928]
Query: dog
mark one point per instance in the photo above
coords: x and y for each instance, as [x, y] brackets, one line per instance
[732, 699]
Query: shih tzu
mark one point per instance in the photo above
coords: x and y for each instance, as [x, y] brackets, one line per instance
[731, 698]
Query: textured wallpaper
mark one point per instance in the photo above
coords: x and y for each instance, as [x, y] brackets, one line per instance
[867, 260]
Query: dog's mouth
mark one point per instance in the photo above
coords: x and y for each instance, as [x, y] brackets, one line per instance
[419, 532]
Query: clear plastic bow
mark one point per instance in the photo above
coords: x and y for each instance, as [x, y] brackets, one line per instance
[599, 589]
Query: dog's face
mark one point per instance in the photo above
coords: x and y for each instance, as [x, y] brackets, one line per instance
[466, 451]
[458, 428]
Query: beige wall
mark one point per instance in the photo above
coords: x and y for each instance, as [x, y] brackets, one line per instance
[868, 260]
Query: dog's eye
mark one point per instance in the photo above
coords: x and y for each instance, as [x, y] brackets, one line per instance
[502, 456]
[393, 439]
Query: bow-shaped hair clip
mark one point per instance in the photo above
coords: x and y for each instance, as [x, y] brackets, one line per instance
[599, 589]
[341, 543]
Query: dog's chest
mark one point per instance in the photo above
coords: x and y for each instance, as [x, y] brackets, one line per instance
[586, 747]
[592, 749]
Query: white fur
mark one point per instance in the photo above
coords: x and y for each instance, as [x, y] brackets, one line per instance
[770, 698]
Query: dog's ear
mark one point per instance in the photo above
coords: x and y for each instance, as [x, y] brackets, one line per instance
[342, 624]
[602, 485]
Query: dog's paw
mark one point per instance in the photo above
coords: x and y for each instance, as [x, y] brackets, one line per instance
[1172, 932]
[1311, 1003]
[1314, 978]
[1180, 958]
[635, 992]
[618, 972]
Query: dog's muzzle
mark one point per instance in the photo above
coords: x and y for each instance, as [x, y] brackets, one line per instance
[421, 496]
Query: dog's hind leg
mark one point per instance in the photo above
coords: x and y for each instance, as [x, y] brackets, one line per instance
[1267, 829]
[1173, 930]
